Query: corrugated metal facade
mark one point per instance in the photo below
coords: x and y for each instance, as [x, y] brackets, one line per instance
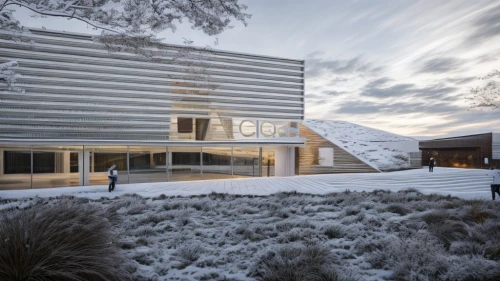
[75, 89]
[496, 146]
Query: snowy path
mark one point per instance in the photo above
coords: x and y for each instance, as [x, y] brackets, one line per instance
[464, 183]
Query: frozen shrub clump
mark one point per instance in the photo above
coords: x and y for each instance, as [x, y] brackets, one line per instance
[436, 217]
[297, 262]
[334, 231]
[190, 253]
[136, 206]
[473, 268]
[44, 241]
[449, 231]
[419, 257]
[397, 209]
[477, 214]
[352, 211]
[248, 210]
[284, 226]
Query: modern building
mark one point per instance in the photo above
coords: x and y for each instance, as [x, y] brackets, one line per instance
[179, 114]
[480, 151]
[344, 147]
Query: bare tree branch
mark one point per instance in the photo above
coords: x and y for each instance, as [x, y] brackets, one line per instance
[488, 95]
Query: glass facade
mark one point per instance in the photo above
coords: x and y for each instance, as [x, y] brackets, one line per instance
[246, 162]
[217, 163]
[24, 167]
[184, 163]
[147, 164]
[15, 167]
[101, 158]
[53, 166]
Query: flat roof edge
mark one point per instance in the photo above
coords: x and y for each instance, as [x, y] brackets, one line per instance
[167, 44]
[264, 142]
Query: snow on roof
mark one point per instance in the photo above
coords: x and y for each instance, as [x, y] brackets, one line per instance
[367, 144]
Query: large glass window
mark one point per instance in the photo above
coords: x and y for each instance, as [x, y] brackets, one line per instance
[147, 164]
[52, 166]
[15, 167]
[101, 158]
[246, 162]
[184, 163]
[217, 163]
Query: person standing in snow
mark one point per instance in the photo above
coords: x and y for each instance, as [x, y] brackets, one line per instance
[113, 178]
[431, 165]
[495, 184]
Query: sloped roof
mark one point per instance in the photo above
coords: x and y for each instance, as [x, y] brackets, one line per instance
[367, 144]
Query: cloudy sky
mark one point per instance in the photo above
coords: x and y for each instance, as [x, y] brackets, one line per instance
[401, 66]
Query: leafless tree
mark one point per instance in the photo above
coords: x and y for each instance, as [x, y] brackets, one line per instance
[130, 25]
[487, 95]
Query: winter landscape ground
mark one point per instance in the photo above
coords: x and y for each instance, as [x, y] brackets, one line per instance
[356, 234]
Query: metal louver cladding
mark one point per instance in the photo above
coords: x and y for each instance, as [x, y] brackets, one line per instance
[74, 88]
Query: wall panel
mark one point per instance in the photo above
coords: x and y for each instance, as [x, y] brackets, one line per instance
[73, 88]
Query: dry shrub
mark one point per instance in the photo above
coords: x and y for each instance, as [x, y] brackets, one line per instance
[477, 214]
[190, 253]
[473, 268]
[491, 232]
[449, 231]
[300, 263]
[67, 241]
[334, 231]
[420, 257]
[284, 226]
[397, 209]
[437, 217]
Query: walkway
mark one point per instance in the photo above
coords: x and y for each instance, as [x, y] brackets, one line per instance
[465, 183]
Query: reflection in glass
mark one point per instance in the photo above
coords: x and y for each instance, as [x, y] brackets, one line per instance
[216, 163]
[147, 164]
[246, 162]
[15, 167]
[103, 157]
[184, 163]
[52, 166]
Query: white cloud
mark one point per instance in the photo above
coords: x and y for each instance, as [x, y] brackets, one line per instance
[392, 40]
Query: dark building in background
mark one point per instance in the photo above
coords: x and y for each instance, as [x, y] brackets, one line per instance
[474, 151]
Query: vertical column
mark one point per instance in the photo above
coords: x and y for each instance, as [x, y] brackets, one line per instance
[257, 129]
[284, 161]
[260, 161]
[151, 159]
[232, 162]
[1, 162]
[167, 161]
[84, 166]
[92, 159]
[31, 168]
[201, 162]
[291, 162]
[66, 163]
[128, 164]
[280, 161]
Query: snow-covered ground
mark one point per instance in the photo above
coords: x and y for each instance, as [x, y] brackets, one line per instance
[464, 183]
[357, 236]
[382, 229]
[380, 149]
